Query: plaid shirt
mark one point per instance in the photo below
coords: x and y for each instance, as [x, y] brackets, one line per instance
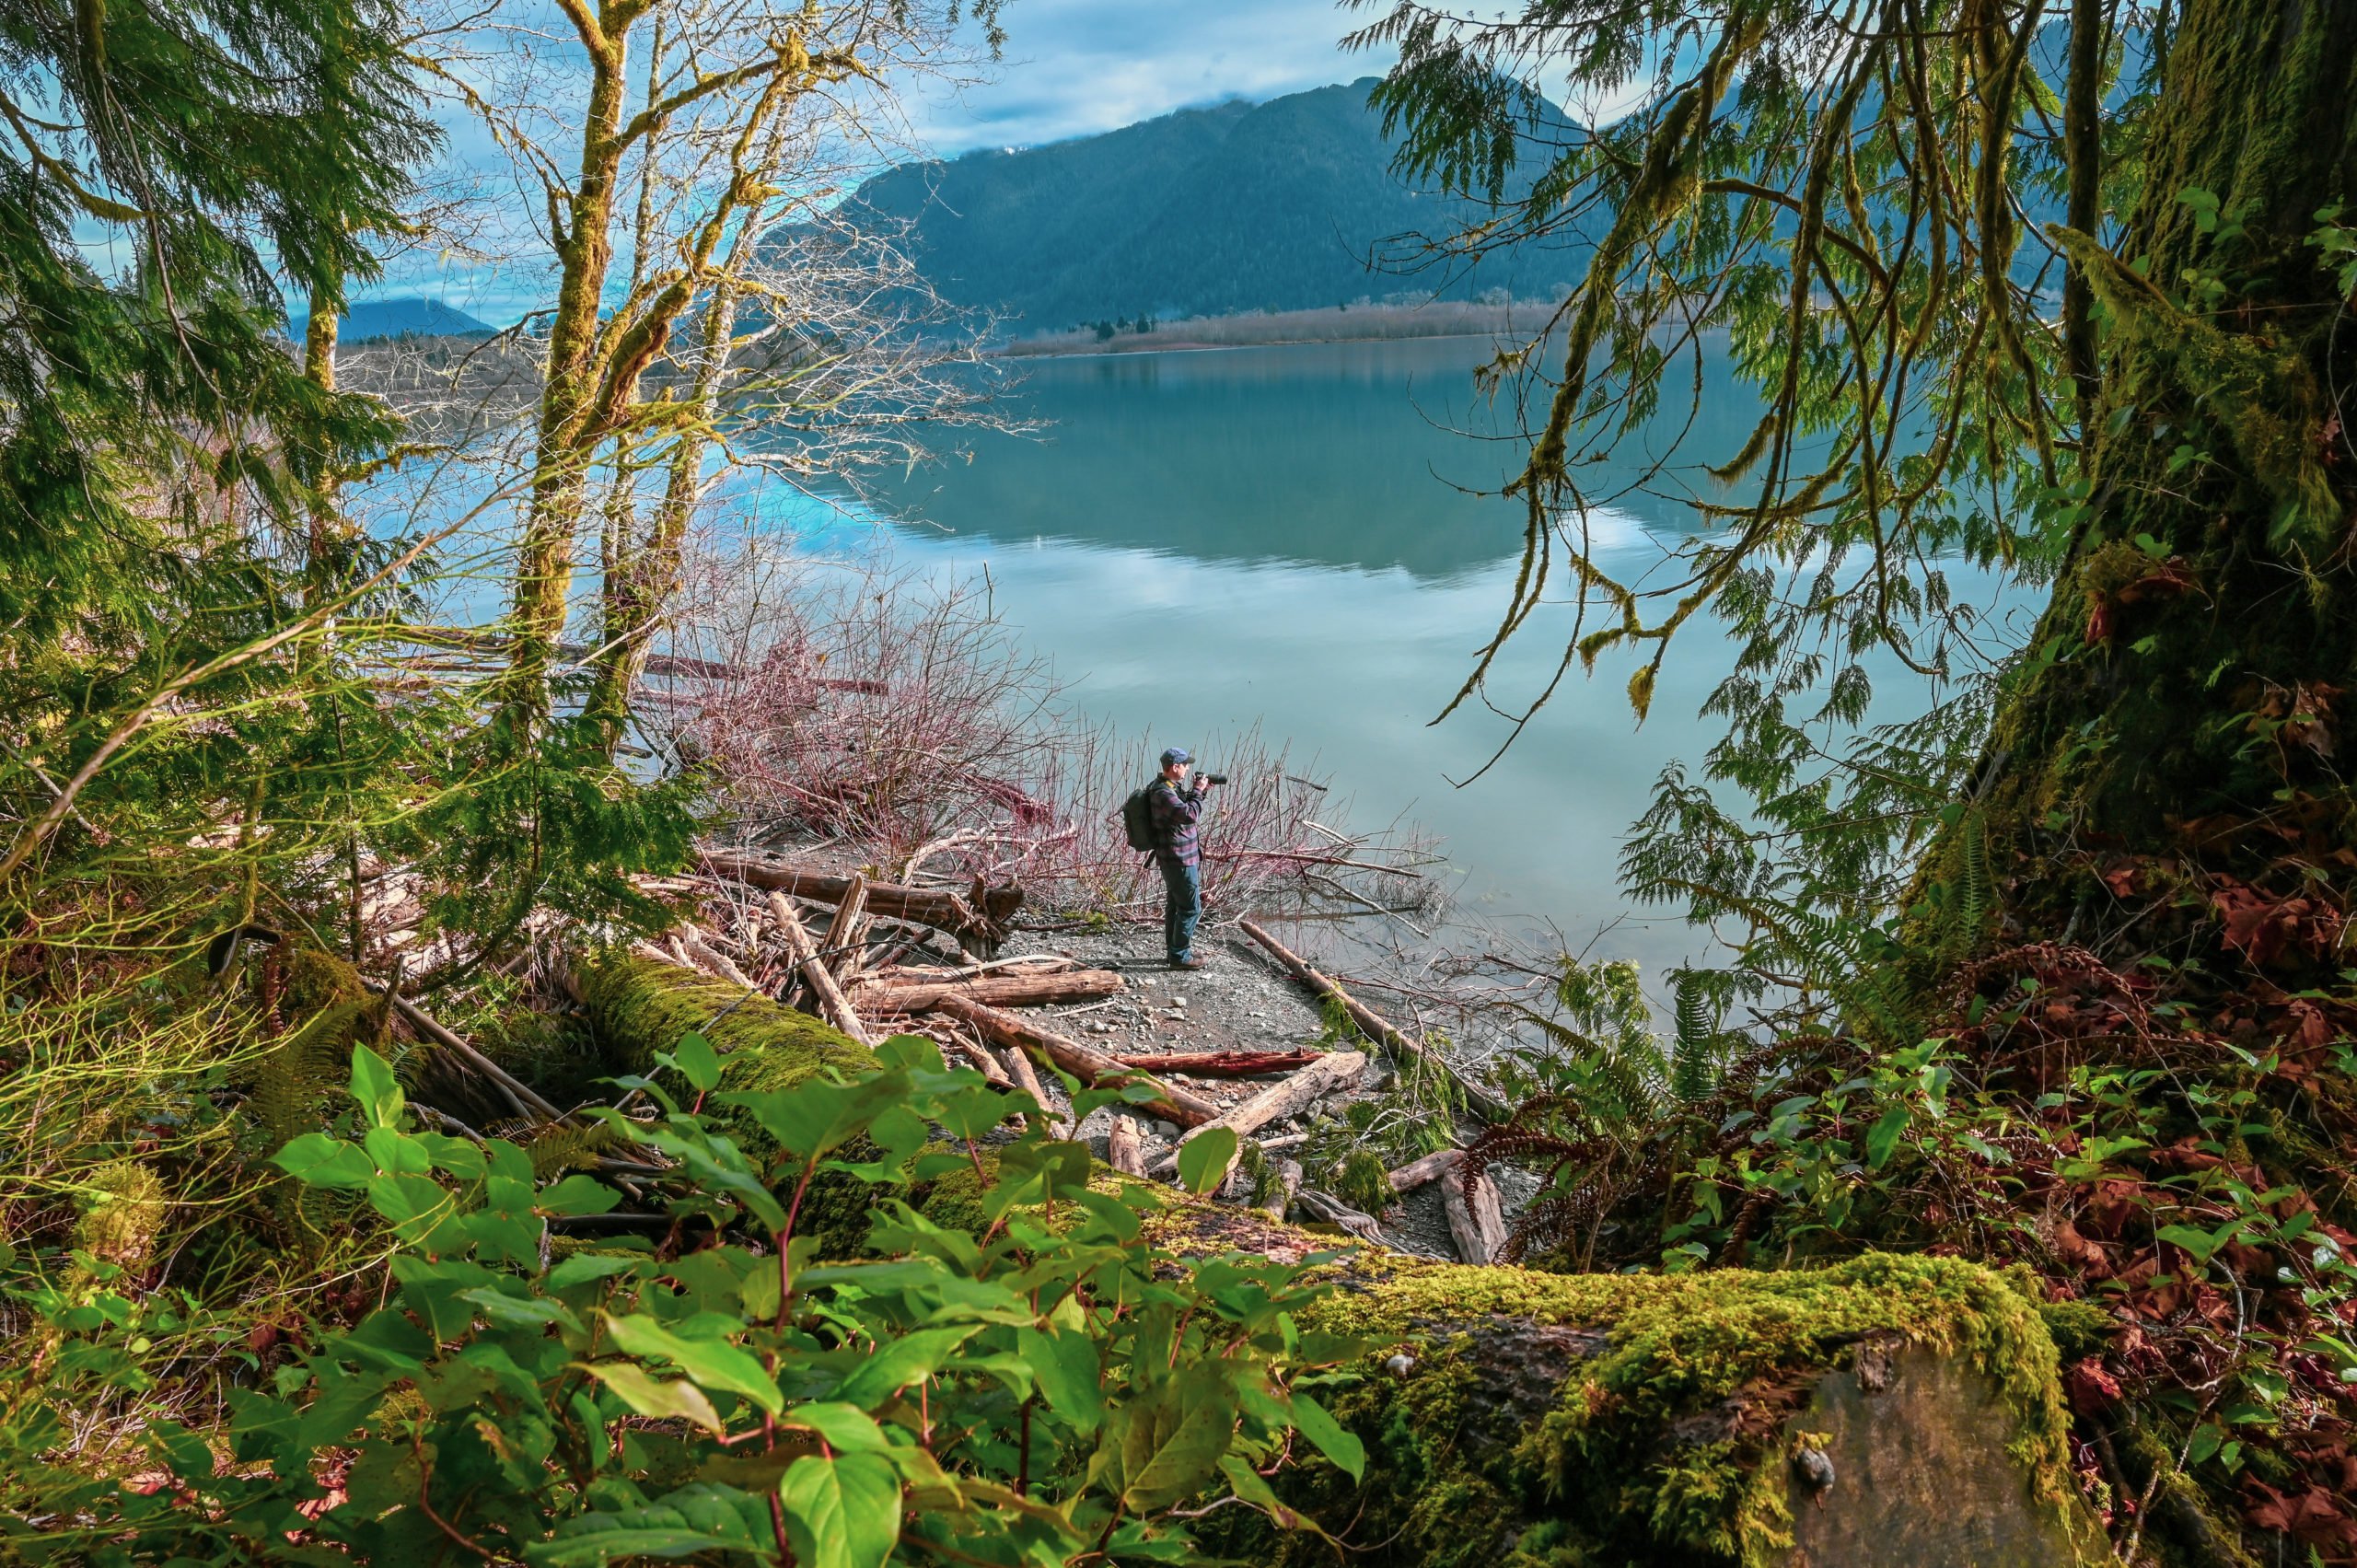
[1176, 812]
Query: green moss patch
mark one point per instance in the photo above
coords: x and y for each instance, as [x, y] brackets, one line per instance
[1574, 1419]
[637, 1008]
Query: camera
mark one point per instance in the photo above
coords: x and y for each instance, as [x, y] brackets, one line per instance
[1211, 778]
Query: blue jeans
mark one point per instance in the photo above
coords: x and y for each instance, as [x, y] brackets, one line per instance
[1182, 906]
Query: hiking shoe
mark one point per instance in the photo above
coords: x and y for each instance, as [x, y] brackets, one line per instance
[1187, 964]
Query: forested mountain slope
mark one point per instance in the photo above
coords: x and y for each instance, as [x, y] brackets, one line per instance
[1278, 206]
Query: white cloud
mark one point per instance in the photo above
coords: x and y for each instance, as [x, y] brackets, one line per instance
[1076, 67]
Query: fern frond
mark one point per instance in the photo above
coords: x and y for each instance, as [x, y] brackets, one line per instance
[1693, 1060]
[569, 1146]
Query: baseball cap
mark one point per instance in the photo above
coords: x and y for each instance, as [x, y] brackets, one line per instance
[1176, 754]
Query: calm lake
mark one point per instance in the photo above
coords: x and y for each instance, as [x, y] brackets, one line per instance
[1204, 542]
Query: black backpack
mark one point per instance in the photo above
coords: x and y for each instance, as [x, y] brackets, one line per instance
[1137, 820]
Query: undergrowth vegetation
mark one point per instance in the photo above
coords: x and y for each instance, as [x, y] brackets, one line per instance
[1042, 1385]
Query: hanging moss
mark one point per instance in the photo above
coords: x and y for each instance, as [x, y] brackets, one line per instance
[2262, 398]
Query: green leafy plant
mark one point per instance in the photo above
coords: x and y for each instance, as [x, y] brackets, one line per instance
[1016, 1372]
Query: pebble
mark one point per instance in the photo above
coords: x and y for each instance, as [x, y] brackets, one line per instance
[1165, 1130]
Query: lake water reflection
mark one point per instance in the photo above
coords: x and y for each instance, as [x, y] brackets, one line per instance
[1203, 542]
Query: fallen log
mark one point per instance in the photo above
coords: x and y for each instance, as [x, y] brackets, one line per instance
[978, 1057]
[1026, 1078]
[1123, 1149]
[992, 990]
[1221, 1064]
[1334, 1211]
[832, 1005]
[1375, 1027]
[1432, 1167]
[1296, 1094]
[1082, 1062]
[985, 922]
[1475, 1223]
[1029, 963]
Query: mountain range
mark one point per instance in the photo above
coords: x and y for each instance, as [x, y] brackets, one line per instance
[1290, 204]
[1212, 211]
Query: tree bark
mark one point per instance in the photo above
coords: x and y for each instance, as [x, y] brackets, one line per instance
[640, 584]
[582, 235]
[2194, 676]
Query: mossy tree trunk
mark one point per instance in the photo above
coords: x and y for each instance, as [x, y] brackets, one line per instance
[581, 232]
[2190, 665]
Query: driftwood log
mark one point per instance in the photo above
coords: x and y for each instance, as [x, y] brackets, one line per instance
[1085, 1063]
[1280, 1203]
[700, 954]
[1931, 1384]
[1026, 1078]
[1334, 1211]
[973, 922]
[1125, 1150]
[957, 1047]
[832, 1005]
[1475, 1221]
[840, 948]
[1296, 1094]
[1374, 1025]
[1221, 1064]
[887, 995]
[1432, 1167]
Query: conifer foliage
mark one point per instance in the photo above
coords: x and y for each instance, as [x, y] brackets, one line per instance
[166, 166]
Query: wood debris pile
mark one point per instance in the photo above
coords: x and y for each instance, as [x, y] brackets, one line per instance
[875, 959]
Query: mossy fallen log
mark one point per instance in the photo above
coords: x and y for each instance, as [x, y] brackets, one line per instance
[1885, 1410]
[1881, 1409]
[637, 1008]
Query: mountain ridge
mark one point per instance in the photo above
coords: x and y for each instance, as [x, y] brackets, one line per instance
[1209, 211]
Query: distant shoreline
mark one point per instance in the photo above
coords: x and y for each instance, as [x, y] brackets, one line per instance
[1131, 351]
[1360, 323]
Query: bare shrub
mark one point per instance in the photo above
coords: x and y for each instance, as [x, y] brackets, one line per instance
[893, 714]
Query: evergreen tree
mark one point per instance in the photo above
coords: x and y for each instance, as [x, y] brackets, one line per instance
[218, 149]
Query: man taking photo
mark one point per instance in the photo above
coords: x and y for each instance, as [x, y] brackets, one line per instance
[1177, 807]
